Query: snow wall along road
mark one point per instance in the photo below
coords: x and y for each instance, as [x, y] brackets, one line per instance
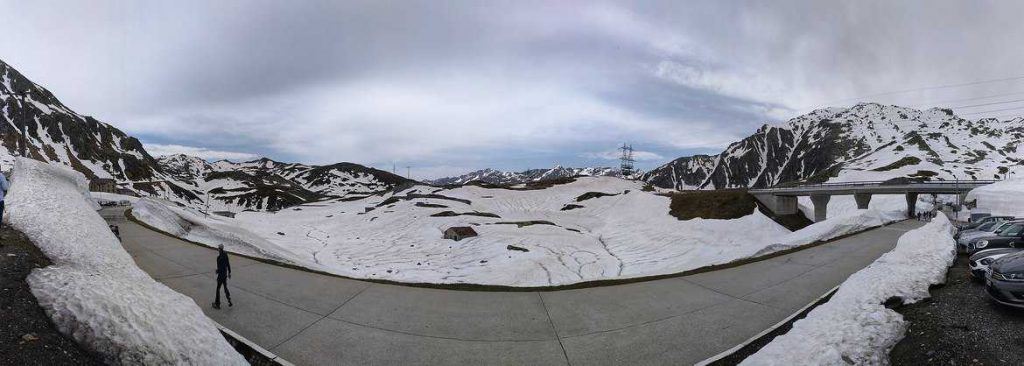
[93, 292]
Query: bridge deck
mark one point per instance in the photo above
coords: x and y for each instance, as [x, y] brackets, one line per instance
[848, 188]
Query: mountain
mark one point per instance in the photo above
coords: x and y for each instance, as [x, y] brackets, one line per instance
[60, 136]
[265, 184]
[865, 142]
[532, 175]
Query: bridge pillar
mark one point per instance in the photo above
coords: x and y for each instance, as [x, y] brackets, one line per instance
[862, 200]
[820, 202]
[911, 204]
[779, 205]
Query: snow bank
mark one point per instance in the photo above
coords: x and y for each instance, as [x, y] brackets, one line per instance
[834, 227]
[93, 292]
[1000, 198]
[853, 327]
[194, 226]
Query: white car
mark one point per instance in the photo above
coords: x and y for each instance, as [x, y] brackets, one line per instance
[980, 261]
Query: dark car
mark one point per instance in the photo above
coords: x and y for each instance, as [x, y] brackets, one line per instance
[974, 225]
[1004, 282]
[1011, 237]
[979, 262]
[989, 229]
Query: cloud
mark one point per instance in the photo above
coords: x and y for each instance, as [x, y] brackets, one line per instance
[508, 85]
[201, 152]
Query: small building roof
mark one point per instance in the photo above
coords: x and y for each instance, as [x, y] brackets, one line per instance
[462, 230]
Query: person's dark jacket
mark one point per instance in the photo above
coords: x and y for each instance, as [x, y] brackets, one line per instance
[223, 267]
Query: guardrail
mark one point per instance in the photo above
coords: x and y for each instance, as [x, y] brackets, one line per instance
[956, 184]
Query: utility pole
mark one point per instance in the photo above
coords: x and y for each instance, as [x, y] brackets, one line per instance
[408, 172]
[626, 161]
[22, 142]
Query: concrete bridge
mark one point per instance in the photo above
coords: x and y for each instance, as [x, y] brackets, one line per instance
[783, 200]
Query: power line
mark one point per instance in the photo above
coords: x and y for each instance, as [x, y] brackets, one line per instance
[992, 103]
[933, 103]
[945, 86]
[991, 111]
[933, 88]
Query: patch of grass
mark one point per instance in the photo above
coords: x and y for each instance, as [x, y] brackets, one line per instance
[474, 213]
[526, 223]
[589, 195]
[907, 160]
[727, 204]
[430, 205]
[570, 207]
[924, 174]
[717, 204]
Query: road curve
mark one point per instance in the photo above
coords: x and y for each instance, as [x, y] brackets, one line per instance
[313, 319]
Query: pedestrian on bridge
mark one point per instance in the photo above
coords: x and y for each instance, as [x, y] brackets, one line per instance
[223, 274]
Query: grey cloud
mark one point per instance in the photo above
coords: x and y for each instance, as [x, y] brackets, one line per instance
[450, 84]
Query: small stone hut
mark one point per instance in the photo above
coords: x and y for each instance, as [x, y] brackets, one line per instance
[459, 232]
[103, 185]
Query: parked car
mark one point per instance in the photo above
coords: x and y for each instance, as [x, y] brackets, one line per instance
[980, 261]
[1011, 237]
[987, 229]
[984, 220]
[1004, 281]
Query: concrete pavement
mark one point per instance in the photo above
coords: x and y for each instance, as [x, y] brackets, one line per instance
[314, 319]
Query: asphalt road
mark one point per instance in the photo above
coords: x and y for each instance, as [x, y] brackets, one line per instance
[314, 319]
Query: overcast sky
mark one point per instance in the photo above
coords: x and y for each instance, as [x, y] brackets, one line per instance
[452, 86]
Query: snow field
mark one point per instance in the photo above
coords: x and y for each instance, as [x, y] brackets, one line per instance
[623, 235]
[93, 292]
[854, 327]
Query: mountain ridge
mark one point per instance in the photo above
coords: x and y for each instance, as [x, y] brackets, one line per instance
[57, 135]
[868, 141]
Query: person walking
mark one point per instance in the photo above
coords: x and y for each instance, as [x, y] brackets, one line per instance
[4, 187]
[223, 274]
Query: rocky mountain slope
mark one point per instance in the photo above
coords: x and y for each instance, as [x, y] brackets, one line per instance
[265, 184]
[865, 142]
[57, 135]
[532, 175]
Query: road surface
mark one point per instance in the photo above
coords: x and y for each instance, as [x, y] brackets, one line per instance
[313, 319]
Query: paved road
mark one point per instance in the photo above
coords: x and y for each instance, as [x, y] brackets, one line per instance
[312, 319]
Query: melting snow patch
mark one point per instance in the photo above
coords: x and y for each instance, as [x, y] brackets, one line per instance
[93, 292]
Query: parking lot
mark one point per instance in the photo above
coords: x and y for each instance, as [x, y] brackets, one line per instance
[960, 325]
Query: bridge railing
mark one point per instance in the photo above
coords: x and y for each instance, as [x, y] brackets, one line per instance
[964, 182]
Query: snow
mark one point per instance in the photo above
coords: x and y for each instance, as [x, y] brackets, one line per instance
[93, 292]
[100, 197]
[836, 226]
[625, 235]
[1000, 198]
[192, 225]
[894, 204]
[854, 327]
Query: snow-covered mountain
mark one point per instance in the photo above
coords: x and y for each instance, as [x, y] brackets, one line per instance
[532, 175]
[60, 136]
[868, 141]
[265, 184]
